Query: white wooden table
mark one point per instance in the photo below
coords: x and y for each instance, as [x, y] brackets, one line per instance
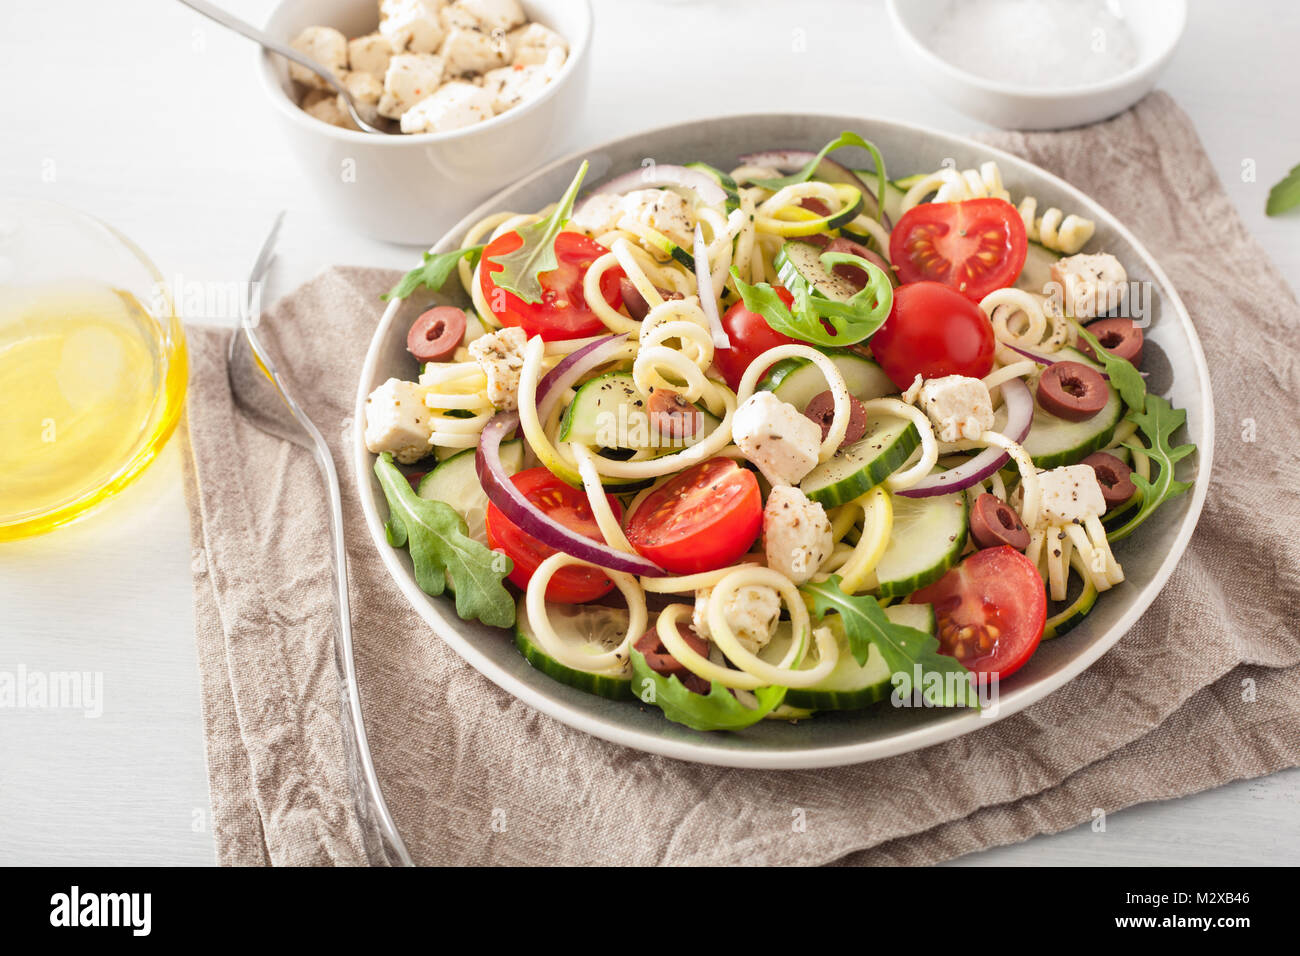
[145, 114]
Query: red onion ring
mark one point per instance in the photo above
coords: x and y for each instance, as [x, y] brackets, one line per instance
[791, 160]
[571, 368]
[1020, 415]
[651, 177]
[501, 491]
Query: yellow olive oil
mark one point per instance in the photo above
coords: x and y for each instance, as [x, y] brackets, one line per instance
[91, 386]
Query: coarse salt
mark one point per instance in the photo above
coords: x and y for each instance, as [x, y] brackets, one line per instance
[1040, 44]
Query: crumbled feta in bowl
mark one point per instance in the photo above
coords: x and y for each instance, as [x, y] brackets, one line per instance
[447, 154]
[420, 58]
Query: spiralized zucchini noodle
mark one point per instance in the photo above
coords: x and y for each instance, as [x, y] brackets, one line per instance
[857, 570]
[613, 662]
[1041, 327]
[929, 456]
[783, 674]
[1054, 229]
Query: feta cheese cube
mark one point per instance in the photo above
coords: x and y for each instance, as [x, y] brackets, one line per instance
[370, 54]
[397, 420]
[597, 214]
[327, 47]
[410, 78]
[366, 89]
[508, 85]
[454, 15]
[776, 437]
[411, 26]
[960, 407]
[472, 51]
[533, 42]
[501, 356]
[1069, 495]
[796, 534]
[664, 211]
[453, 106]
[751, 613]
[493, 15]
[511, 85]
[1090, 284]
[326, 108]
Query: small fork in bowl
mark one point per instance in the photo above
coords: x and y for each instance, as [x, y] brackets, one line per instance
[231, 22]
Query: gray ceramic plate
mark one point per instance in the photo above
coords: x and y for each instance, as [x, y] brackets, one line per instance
[1179, 372]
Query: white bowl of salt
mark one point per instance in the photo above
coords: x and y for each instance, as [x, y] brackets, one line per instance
[1039, 64]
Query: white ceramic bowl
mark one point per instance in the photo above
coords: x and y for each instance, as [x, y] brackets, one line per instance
[1156, 26]
[407, 188]
[1178, 371]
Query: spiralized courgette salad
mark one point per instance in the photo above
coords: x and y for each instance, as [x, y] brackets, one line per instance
[787, 438]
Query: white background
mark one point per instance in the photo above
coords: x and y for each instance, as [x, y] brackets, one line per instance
[145, 114]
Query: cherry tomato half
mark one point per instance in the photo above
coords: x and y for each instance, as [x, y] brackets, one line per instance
[703, 519]
[750, 336]
[563, 311]
[990, 610]
[974, 246]
[933, 331]
[567, 505]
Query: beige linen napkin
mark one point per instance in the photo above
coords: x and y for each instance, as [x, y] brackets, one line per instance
[1205, 689]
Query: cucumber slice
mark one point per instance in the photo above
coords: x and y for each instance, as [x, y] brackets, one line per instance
[612, 394]
[907, 182]
[722, 179]
[455, 482]
[855, 470]
[609, 408]
[895, 190]
[919, 616]
[1037, 270]
[798, 265]
[1053, 441]
[589, 627]
[797, 380]
[850, 686]
[927, 539]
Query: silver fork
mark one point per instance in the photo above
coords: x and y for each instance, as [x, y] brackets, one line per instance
[264, 398]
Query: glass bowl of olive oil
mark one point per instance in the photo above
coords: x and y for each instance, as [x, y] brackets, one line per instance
[93, 365]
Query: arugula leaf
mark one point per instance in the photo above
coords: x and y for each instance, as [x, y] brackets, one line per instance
[903, 648]
[716, 710]
[439, 544]
[1128, 381]
[536, 254]
[1285, 195]
[433, 272]
[854, 320]
[867, 309]
[810, 168]
[1157, 423]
